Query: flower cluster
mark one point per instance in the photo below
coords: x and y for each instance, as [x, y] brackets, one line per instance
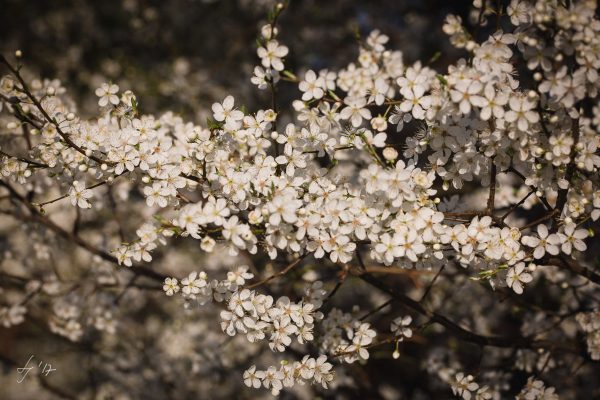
[466, 388]
[259, 316]
[346, 336]
[380, 167]
[537, 390]
[14, 315]
[196, 286]
[307, 370]
[590, 323]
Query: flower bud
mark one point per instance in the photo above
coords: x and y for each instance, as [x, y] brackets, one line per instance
[390, 154]
[539, 151]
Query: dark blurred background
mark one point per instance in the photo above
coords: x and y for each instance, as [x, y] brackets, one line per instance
[182, 55]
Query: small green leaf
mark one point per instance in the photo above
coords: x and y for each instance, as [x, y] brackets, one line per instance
[212, 124]
[435, 57]
[289, 74]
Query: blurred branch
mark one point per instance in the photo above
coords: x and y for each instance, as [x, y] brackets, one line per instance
[36, 216]
[466, 335]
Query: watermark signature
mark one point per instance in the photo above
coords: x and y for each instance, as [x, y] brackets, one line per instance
[45, 370]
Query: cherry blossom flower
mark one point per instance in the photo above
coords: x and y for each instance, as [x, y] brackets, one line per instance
[312, 86]
[108, 94]
[572, 238]
[253, 378]
[171, 286]
[355, 111]
[492, 103]
[466, 93]
[543, 243]
[272, 54]
[225, 111]
[416, 102]
[521, 112]
[463, 386]
[516, 276]
[79, 195]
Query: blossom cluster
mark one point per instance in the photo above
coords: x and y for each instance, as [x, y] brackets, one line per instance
[369, 174]
[346, 336]
[308, 369]
[590, 323]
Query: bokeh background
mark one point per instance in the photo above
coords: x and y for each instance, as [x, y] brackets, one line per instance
[183, 55]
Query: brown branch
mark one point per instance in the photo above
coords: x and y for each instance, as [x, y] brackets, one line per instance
[430, 286]
[277, 274]
[26, 160]
[36, 216]
[492, 195]
[540, 220]
[41, 109]
[578, 269]
[464, 334]
[343, 276]
[479, 19]
[394, 271]
[523, 178]
[561, 198]
[104, 182]
[377, 309]
[513, 208]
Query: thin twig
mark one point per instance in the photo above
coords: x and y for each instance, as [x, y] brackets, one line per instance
[277, 274]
